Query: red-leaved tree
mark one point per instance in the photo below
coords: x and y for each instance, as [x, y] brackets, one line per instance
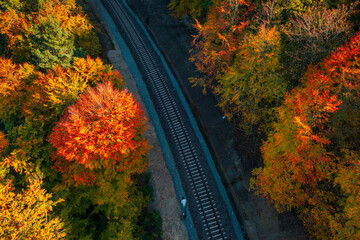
[311, 146]
[102, 130]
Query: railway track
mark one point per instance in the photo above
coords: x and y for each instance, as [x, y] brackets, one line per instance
[207, 208]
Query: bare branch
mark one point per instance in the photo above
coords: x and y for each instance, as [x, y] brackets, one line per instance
[315, 32]
[268, 14]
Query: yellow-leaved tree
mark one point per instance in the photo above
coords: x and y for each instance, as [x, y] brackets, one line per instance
[25, 212]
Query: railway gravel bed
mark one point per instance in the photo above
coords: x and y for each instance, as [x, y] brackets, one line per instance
[208, 210]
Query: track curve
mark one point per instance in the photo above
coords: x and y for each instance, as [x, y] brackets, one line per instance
[206, 205]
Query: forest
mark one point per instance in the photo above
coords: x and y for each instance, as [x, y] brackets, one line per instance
[73, 160]
[287, 74]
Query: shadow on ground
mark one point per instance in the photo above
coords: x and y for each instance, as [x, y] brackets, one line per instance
[231, 151]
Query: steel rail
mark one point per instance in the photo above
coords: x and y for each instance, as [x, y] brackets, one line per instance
[211, 217]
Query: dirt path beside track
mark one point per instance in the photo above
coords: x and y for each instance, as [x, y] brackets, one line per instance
[164, 196]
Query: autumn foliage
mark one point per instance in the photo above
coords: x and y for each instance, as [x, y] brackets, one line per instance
[3, 141]
[99, 148]
[102, 130]
[90, 170]
[280, 74]
[14, 81]
[50, 93]
[45, 32]
[25, 213]
[254, 86]
[113, 148]
[306, 151]
[218, 39]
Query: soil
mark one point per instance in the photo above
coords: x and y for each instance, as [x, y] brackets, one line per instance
[164, 196]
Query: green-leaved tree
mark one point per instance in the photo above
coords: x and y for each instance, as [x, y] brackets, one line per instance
[55, 46]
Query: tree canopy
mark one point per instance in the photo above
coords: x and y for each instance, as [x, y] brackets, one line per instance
[307, 150]
[284, 74]
[50, 70]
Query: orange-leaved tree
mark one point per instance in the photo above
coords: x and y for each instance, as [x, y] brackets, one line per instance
[3, 141]
[17, 29]
[14, 83]
[102, 130]
[309, 147]
[218, 39]
[52, 92]
[99, 150]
